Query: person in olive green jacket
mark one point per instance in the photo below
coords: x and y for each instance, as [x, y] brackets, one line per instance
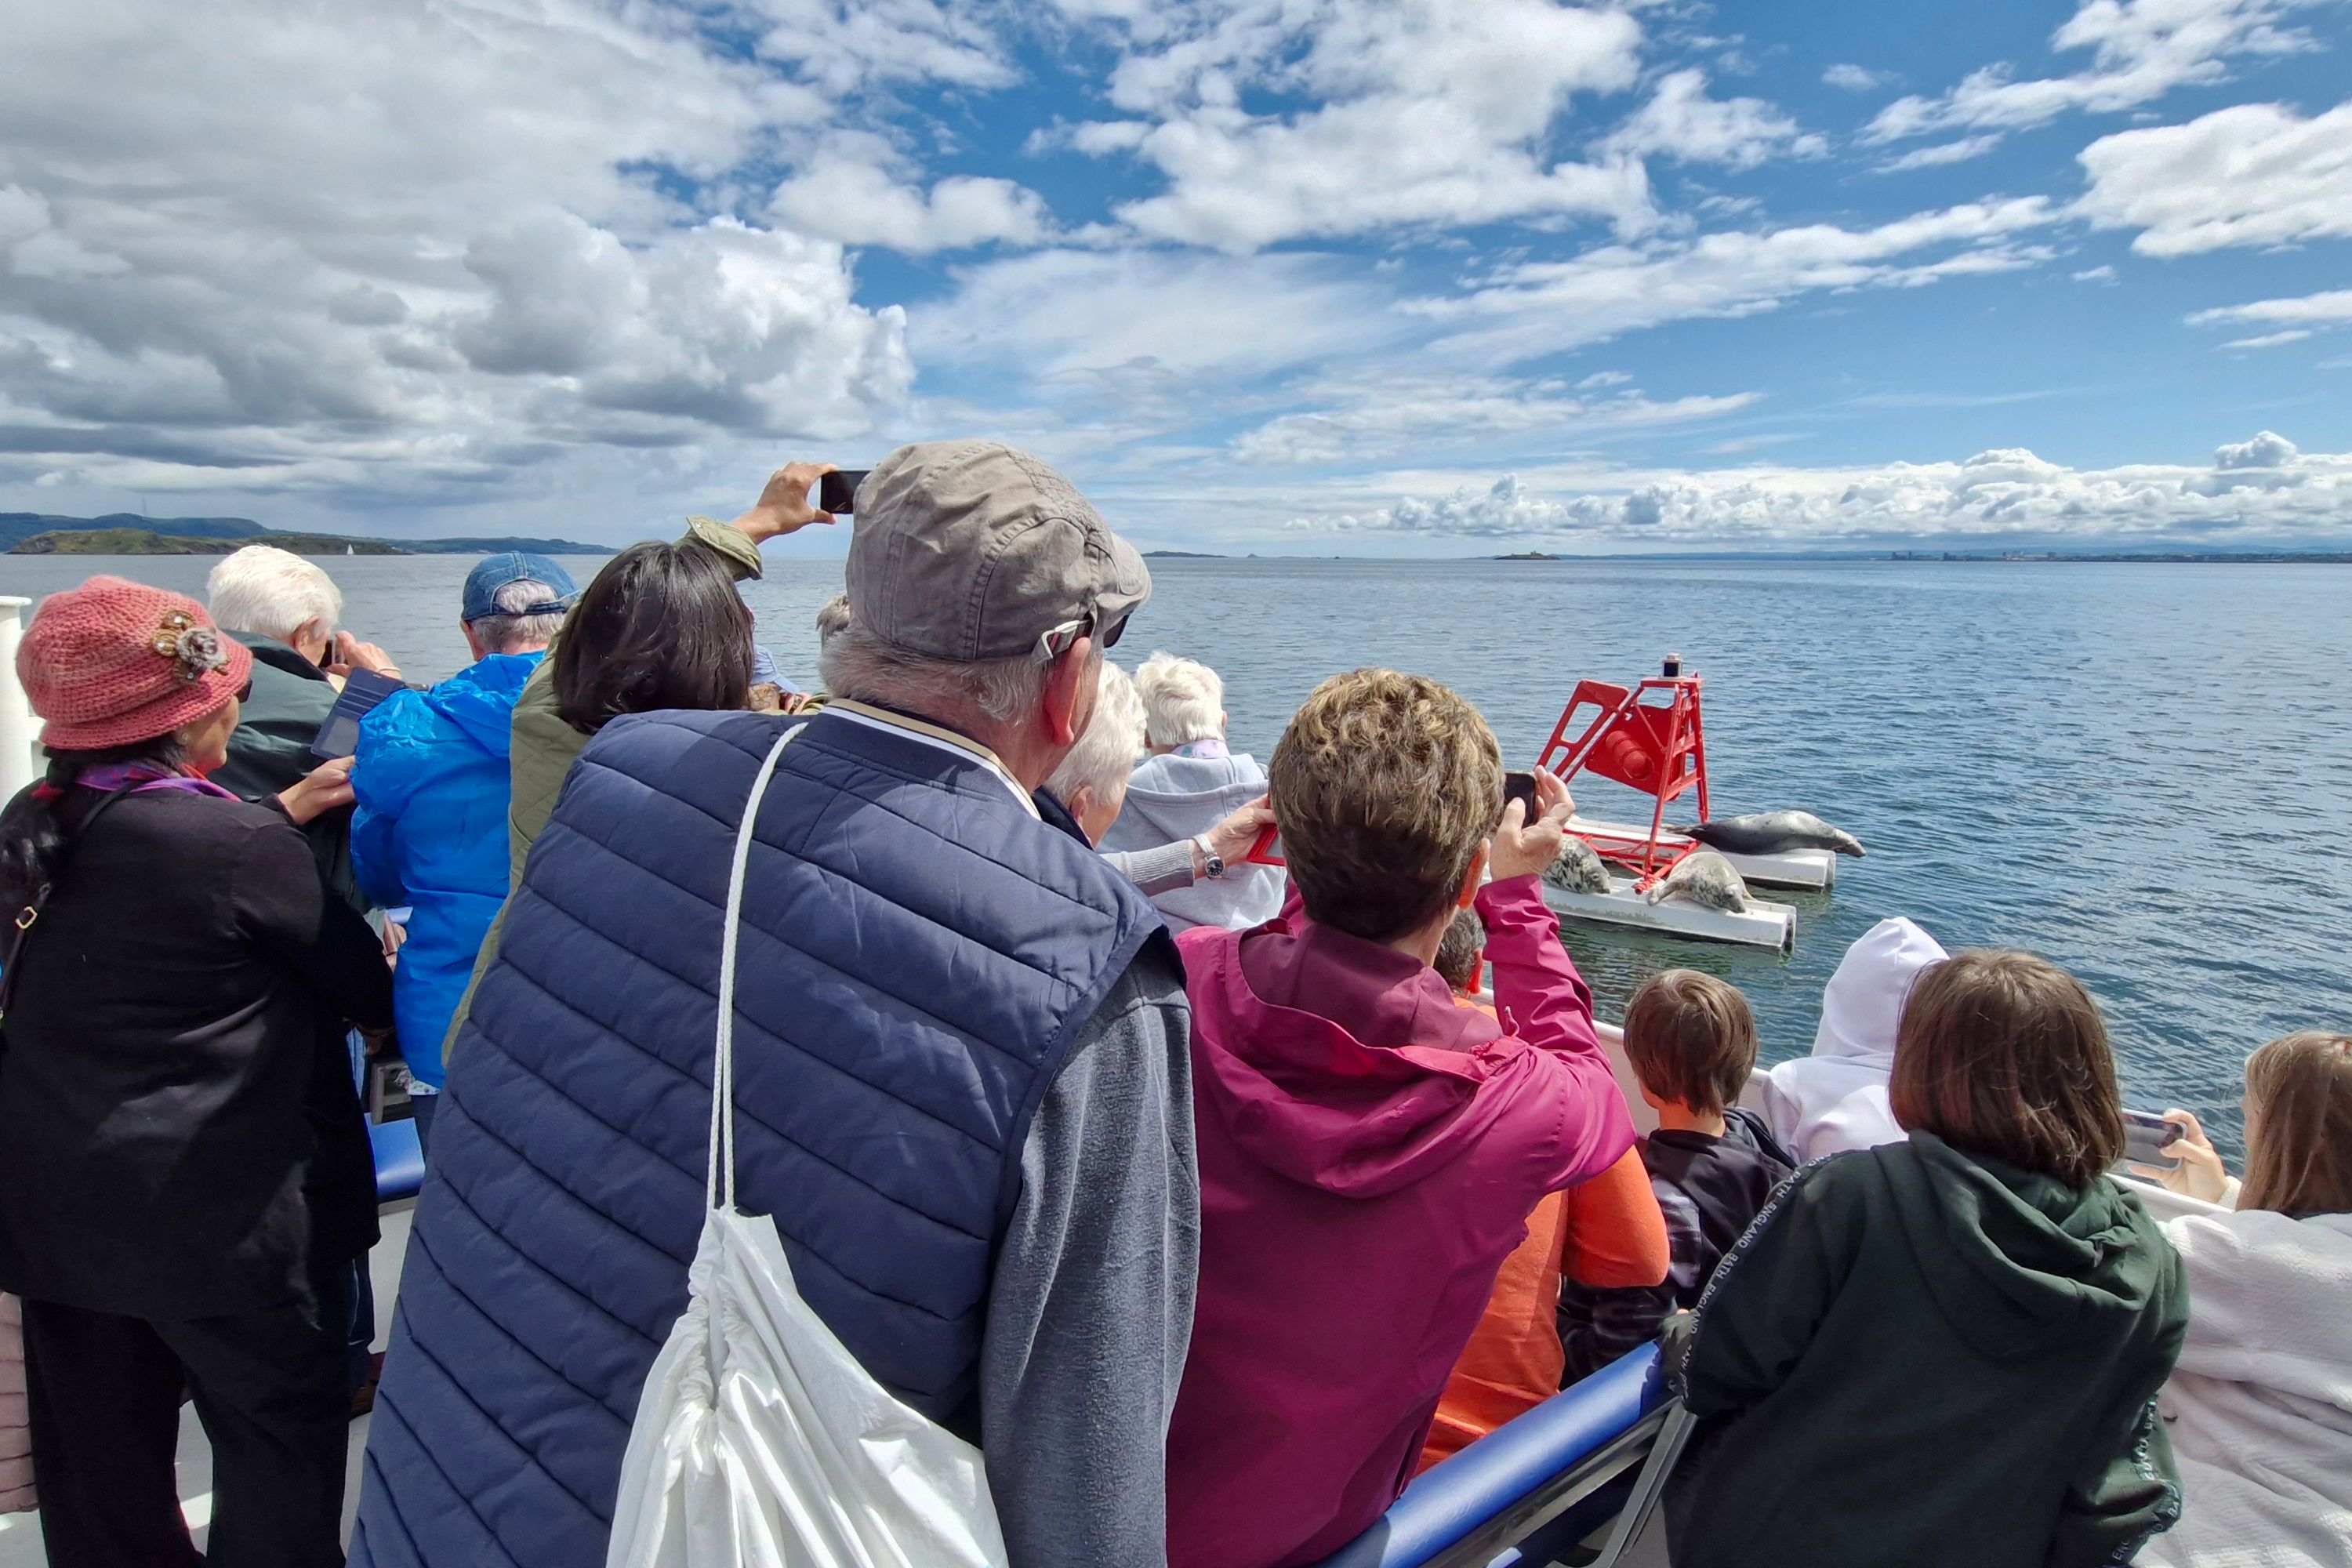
[1945, 1352]
[660, 627]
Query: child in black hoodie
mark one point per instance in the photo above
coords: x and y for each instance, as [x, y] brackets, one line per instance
[1692, 1043]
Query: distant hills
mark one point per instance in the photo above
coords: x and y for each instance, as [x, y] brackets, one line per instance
[127, 533]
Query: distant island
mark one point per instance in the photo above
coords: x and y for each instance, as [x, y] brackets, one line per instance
[126, 534]
[1530, 555]
[1181, 555]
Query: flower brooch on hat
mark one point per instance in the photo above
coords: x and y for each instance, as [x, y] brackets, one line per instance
[196, 650]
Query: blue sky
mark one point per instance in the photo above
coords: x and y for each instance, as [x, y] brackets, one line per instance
[1442, 277]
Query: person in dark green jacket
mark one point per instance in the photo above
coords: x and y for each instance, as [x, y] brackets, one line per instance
[1945, 1352]
[285, 608]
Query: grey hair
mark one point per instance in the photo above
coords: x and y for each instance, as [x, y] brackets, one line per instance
[1105, 753]
[507, 631]
[860, 665]
[272, 592]
[831, 617]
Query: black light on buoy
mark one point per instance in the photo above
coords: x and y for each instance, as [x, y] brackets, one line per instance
[1673, 669]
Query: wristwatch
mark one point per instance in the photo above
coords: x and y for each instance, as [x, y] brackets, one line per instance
[1212, 865]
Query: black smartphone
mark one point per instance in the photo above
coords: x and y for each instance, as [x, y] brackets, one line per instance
[1521, 787]
[2148, 1139]
[837, 491]
[362, 690]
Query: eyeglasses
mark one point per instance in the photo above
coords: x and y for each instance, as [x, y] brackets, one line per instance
[245, 691]
[1053, 644]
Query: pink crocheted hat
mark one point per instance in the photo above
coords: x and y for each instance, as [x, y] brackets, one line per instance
[114, 661]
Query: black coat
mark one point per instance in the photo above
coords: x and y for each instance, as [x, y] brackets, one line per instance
[179, 1135]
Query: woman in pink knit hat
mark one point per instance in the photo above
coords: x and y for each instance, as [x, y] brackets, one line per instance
[184, 1175]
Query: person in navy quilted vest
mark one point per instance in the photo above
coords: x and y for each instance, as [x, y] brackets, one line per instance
[961, 1062]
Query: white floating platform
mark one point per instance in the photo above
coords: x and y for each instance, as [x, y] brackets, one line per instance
[1763, 924]
[1810, 868]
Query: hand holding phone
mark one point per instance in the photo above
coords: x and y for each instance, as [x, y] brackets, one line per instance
[362, 690]
[838, 492]
[785, 504]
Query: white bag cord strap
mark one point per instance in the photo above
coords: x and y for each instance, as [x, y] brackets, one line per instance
[722, 1069]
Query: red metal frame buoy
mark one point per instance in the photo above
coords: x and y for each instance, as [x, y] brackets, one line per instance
[1651, 737]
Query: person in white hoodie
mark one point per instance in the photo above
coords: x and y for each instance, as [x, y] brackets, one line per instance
[2260, 1404]
[1189, 786]
[1835, 1099]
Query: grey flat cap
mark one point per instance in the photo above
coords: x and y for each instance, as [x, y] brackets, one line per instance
[969, 551]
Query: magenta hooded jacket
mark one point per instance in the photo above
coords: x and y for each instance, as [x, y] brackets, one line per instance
[1369, 1155]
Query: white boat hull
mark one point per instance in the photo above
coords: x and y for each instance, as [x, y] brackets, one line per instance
[1761, 924]
[1814, 869]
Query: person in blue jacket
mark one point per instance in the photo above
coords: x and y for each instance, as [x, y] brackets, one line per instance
[430, 831]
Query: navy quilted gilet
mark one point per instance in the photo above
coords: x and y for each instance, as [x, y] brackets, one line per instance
[917, 952]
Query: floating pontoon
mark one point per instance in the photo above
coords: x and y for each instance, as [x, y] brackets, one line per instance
[1814, 870]
[1762, 924]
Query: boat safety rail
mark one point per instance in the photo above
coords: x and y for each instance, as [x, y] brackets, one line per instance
[1548, 1470]
[399, 1160]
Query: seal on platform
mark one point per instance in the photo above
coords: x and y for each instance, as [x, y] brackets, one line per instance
[1577, 869]
[1705, 879]
[1770, 832]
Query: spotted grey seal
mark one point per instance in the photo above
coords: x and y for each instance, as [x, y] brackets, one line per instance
[1705, 879]
[1577, 869]
[1770, 832]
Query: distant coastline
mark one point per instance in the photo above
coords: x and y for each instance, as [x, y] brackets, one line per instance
[1979, 557]
[126, 534]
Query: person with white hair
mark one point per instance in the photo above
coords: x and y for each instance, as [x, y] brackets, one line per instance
[433, 784]
[1189, 789]
[285, 609]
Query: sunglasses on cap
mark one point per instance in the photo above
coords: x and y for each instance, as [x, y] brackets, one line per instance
[1053, 643]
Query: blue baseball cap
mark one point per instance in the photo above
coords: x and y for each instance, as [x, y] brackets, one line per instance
[493, 573]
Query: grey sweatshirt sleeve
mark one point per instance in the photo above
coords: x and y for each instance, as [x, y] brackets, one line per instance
[1092, 1305]
[1157, 870]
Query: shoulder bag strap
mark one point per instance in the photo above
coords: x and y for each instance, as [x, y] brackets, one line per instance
[31, 913]
[720, 1185]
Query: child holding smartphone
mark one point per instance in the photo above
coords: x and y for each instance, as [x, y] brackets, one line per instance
[1946, 1350]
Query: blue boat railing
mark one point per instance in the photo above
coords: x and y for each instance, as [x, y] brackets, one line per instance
[399, 1160]
[1527, 1492]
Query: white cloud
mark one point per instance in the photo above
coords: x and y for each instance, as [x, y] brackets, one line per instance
[848, 193]
[2256, 173]
[1421, 112]
[1682, 122]
[2256, 490]
[1603, 378]
[1399, 415]
[2329, 307]
[2268, 340]
[1941, 153]
[2100, 274]
[2142, 50]
[409, 253]
[844, 48]
[1537, 307]
[1855, 78]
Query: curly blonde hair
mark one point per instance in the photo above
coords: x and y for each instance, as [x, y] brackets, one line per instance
[1384, 787]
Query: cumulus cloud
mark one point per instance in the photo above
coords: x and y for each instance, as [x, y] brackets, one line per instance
[2142, 49]
[1394, 416]
[1855, 79]
[1423, 113]
[2100, 274]
[1538, 307]
[418, 246]
[2257, 491]
[849, 192]
[1683, 123]
[2256, 173]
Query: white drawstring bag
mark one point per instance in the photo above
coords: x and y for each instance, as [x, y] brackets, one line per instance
[760, 1441]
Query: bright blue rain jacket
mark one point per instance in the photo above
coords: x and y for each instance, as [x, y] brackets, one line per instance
[431, 833]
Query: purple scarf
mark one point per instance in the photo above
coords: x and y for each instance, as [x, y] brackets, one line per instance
[141, 777]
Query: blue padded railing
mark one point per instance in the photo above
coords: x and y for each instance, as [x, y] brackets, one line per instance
[399, 1160]
[1451, 1503]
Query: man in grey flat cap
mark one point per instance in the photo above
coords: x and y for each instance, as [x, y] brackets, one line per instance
[962, 1066]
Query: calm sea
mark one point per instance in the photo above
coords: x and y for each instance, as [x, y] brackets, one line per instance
[2140, 771]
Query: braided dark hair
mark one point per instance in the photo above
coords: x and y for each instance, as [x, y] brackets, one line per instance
[36, 826]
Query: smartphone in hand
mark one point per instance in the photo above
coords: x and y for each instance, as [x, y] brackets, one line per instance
[2148, 1139]
[837, 491]
[362, 690]
[1521, 787]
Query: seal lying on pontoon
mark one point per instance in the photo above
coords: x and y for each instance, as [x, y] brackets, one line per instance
[1770, 832]
[1705, 879]
[1577, 869]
